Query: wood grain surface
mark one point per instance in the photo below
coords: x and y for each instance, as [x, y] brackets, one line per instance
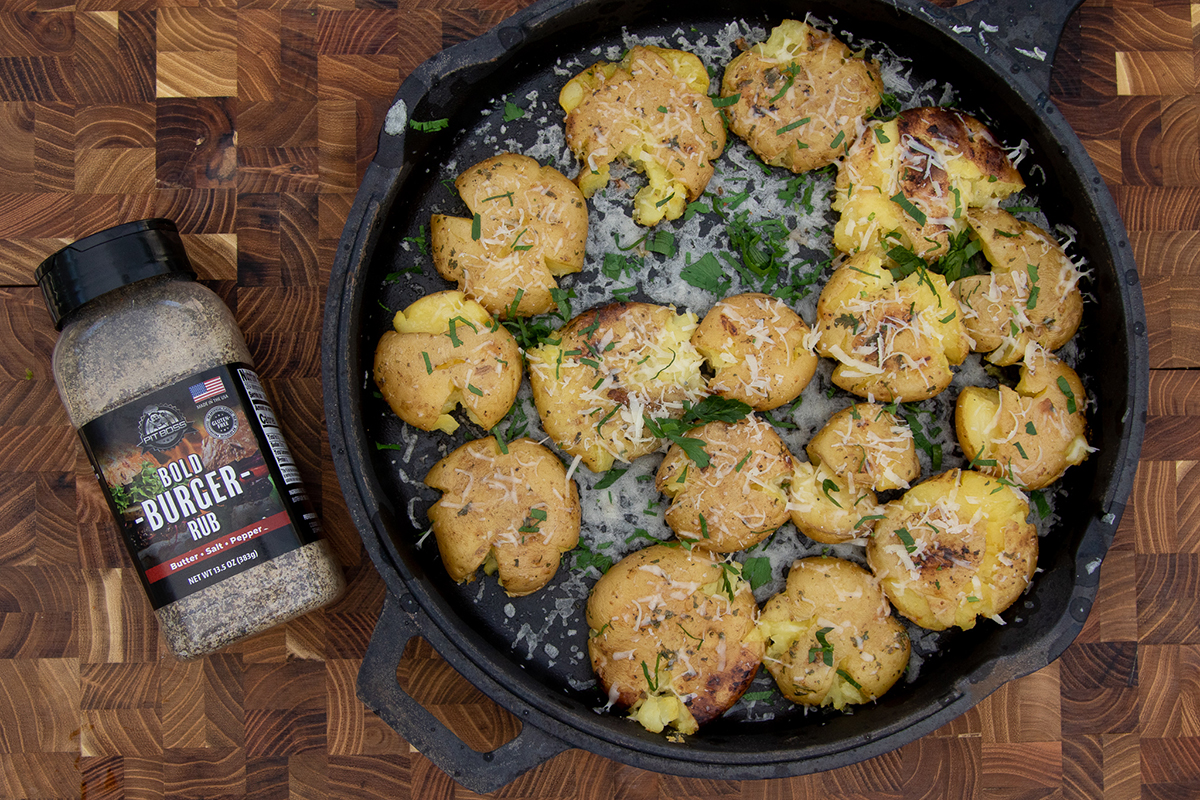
[250, 123]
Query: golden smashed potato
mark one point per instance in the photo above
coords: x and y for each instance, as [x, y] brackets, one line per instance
[612, 367]
[870, 443]
[740, 497]
[445, 351]
[651, 109]
[1031, 295]
[830, 508]
[1029, 435]
[532, 226]
[671, 636]
[831, 637]
[514, 513]
[758, 349]
[954, 548]
[801, 96]
[909, 181]
[893, 340]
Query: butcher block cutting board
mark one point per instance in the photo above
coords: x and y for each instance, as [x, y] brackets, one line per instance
[250, 123]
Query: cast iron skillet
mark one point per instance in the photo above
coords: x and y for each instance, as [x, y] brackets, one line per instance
[998, 54]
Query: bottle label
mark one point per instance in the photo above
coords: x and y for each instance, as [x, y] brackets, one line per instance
[200, 481]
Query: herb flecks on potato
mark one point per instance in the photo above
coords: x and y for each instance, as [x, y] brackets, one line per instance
[739, 498]
[529, 225]
[1031, 295]
[446, 351]
[954, 548]
[830, 508]
[869, 442]
[800, 96]
[653, 110]
[671, 636]
[893, 339]
[1029, 435]
[511, 510]
[611, 368]
[831, 637]
[910, 181]
[759, 349]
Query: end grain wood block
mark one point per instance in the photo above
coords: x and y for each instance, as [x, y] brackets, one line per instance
[197, 52]
[1155, 72]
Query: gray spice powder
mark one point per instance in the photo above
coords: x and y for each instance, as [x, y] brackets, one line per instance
[143, 337]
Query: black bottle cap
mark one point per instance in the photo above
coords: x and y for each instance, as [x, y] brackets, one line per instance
[108, 260]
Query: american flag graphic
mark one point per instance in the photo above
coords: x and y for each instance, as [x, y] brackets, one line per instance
[210, 388]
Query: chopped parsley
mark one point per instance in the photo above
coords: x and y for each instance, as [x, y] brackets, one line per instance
[823, 652]
[917, 214]
[512, 111]
[430, 126]
[1065, 388]
[757, 570]
[706, 273]
[610, 477]
[906, 538]
[476, 227]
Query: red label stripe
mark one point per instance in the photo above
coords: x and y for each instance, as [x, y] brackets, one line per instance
[216, 547]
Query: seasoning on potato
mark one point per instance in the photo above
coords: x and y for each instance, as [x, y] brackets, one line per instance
[1029, 435]
[759, 349]
[528, 226]
[831, 637]
[739, 497]
[954, 548]
[446, 351]
[672, 636]
[869, 442]
[651, 109]
[508, 508]
[830, 508]
[893, 339]
[610, 369]
[1031, 295]
[909, 182]
[800, 96]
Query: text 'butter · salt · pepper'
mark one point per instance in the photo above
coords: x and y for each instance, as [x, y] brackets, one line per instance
[155, 375]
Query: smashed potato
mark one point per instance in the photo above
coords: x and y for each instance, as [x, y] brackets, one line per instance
[612, 367]
[893, 340]
[758, 349]
[446, 351]
[1029, 435]
[870, 443]
[671, 636]
[740, 497]
[651, 109]
[954, 548]
[831, 637]
[830, 508]
[909, 181]
[531, 227]
[514, 513]
[800, 96]
[1031, 295]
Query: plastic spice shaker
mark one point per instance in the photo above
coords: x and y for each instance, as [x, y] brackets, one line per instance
[155, 375]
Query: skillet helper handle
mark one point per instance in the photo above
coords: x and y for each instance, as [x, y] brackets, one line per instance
[1026, 31]
[380, 691]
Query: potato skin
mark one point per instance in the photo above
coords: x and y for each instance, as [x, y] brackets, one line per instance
[869, 442]
[965, 551]
[969, 170]
[863, 643]
[1029, 435]
[758, 348]
[695, 637]
[653, 110]
[894, 340]
[1033, 289]
[741, 495]
[423, 372]
[806, 83]
[532, 227]
[490, 507]
[614, 365]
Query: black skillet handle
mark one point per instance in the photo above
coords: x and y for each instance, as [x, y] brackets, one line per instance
[379, 690]
[1023, 32]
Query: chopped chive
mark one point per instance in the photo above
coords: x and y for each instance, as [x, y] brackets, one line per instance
[428, 365]
[476, 227]
[917, 214]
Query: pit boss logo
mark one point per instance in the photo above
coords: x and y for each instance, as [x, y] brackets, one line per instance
[161, 427]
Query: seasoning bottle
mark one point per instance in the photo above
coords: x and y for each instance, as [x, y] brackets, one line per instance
[156, 377]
